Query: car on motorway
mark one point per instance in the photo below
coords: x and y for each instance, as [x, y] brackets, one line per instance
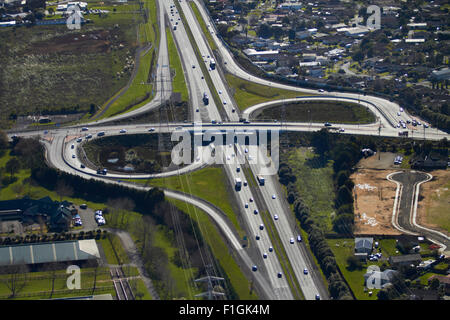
[233, 110]
[327, 124]
[220, 91]
[426, 125]
[257, 237]
[123, 131]
[72, 146]
[305, 271]
[317, 297]
[45, 131]
[197, 110]
[193, 66]
[82, 166]
[274, 196]
[299, 238]
[84, 129]
[245, 183]
[224, 102]
[254, 268]
[398, 113]
[321, 90]
[73, 156]
[151, 129]
[265, 255]
[256, 211]
[261, 227]
[401, 109]
[79, 140]
[279, 275]
[250, 199]
[246, 205]
[341, 130]
[270, 249]
[291, 240]
[89, 136]
[213, 121]
[275, 217]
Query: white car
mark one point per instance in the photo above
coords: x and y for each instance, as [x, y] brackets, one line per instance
[274, 196]
[291, 240]
[79, 140]
[321, 90]
[224, 102]
[341, 130]
[123, 131]
[275, 217]
[305, 271]
[220, 91]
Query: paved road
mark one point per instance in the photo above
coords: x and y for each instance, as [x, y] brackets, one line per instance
[407, 206]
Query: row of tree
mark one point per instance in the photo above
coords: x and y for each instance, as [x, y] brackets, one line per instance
[317, 241]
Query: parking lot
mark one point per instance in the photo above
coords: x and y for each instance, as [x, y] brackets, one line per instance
[87, 217]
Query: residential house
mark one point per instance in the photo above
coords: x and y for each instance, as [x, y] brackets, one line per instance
[363, 245]
[445, 280]
[405, 260]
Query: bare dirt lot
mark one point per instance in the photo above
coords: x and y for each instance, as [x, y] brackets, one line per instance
[374, 201]
[434, 202]
[381, 160]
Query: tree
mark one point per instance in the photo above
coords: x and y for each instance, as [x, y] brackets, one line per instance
[3, 140]
[354, 263]
[63, 189]
[12, 166]
[16, 279]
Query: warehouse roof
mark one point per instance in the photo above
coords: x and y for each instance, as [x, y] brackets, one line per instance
[49, 252]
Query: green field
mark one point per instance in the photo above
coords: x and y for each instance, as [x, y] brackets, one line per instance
[437, 212]
[315, 184]
[140, 91]
[114, 252]
[208, 184]
[248, 94]
[54, 69]
[333, 112]
[221, 252]
[38, 285]
[178, 81]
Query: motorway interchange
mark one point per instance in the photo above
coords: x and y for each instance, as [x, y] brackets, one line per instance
[62, 150]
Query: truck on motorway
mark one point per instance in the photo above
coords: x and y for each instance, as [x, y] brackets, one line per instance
[205, 98]
[403, 133]
[212, 64]
[260, 180]
[238, 183]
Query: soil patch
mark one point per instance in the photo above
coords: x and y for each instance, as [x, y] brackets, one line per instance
[374, 201]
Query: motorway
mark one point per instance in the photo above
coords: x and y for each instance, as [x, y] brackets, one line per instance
[59, 150]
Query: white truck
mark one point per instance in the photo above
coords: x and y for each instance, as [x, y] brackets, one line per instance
[261, 180]
[238, 183]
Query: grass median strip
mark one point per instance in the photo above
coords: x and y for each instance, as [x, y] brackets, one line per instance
[247, 93]
[178, 81]
[200, 20]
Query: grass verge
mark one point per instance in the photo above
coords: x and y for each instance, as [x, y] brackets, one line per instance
[247, 93]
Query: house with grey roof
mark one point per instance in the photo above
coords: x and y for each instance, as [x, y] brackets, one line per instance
[363, 245]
